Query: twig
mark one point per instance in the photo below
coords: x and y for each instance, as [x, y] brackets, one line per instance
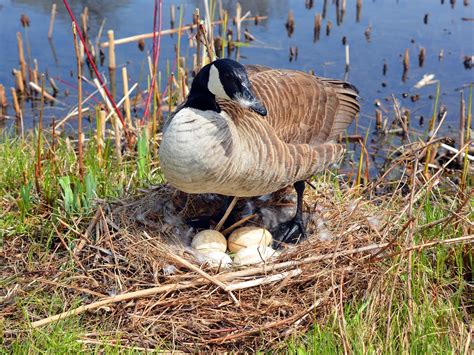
[115, 299]
[168, 32]
[263, 280]
[201, 272]
[204, 274]
[226, 214]
[238, 223]
[455, 151]
[46, 94]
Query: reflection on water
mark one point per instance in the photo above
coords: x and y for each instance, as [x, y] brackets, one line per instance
[98, 9]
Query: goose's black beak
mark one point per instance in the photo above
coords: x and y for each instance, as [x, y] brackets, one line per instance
[248, 99]
[259, 108]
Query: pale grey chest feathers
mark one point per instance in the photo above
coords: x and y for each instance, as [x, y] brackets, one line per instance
[196, 145]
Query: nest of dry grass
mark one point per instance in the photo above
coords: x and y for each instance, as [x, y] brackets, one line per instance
[140, 282]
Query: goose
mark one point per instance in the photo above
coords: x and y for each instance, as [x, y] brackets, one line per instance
[251, 130]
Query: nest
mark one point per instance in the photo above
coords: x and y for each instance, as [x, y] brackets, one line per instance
[141, 282]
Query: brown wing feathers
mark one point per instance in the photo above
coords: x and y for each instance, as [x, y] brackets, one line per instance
[305, 116]
[303, 108]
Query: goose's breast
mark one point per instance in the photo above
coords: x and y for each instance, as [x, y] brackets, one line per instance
[196, 148]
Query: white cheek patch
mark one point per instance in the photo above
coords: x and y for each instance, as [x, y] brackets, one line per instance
[214, 85]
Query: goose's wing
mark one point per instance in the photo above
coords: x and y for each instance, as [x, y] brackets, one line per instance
[303, 108]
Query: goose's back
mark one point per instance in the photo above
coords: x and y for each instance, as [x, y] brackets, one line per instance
[302, 108]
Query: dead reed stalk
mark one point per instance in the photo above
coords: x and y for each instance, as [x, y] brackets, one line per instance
[18, 113]
[3, 98]
[38, 173]
[465, 171]
[172, 15]
[317, 27]
[328, 28]
[421, 57]
[21, 56]
[51, 21]
[290, 23]
[358, 10]
[19, 81]
[128, 116]
[431, 129]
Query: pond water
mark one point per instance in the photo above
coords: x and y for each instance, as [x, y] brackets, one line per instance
[394, 26]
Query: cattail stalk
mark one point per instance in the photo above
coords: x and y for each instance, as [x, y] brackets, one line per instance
[35, 71]
[348, 62]
[198, 42]
[238, 19]
[358, 10]
[100, 133]
[406, 60]
[51, 21]
[178, 48]
[328, 28]
[79, 104]
[462, 123]
[421, 57]
[465, 169]
[21, 56]
[3, 97]
[19, 81]
[84, 19]
[18, 113]
[317, 27]
[378, 120]
[53, 85]
[112, 64]
[172, 15]
[118, 137]
[431, 129]
[38, 145]
[128, 116]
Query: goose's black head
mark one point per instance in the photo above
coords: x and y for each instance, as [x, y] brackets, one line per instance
[225, 79]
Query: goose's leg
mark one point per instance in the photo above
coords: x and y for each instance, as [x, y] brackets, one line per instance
[294, 230]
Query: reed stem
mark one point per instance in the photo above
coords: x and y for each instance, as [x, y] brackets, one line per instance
[79, 104]
[465, 169]
[431, 128]
[38, 172]
[21, 55]
[128, 116]
[51, 21]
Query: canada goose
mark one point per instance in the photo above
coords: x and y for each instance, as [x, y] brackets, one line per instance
[251, 130]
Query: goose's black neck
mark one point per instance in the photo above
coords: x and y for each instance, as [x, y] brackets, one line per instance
[199, 96]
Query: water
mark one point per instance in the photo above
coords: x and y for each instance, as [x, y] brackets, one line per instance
[395, 26]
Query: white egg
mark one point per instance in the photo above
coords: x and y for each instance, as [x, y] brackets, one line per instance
[248, 236]
[255, 254]
[208, 241]
[214, 258]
